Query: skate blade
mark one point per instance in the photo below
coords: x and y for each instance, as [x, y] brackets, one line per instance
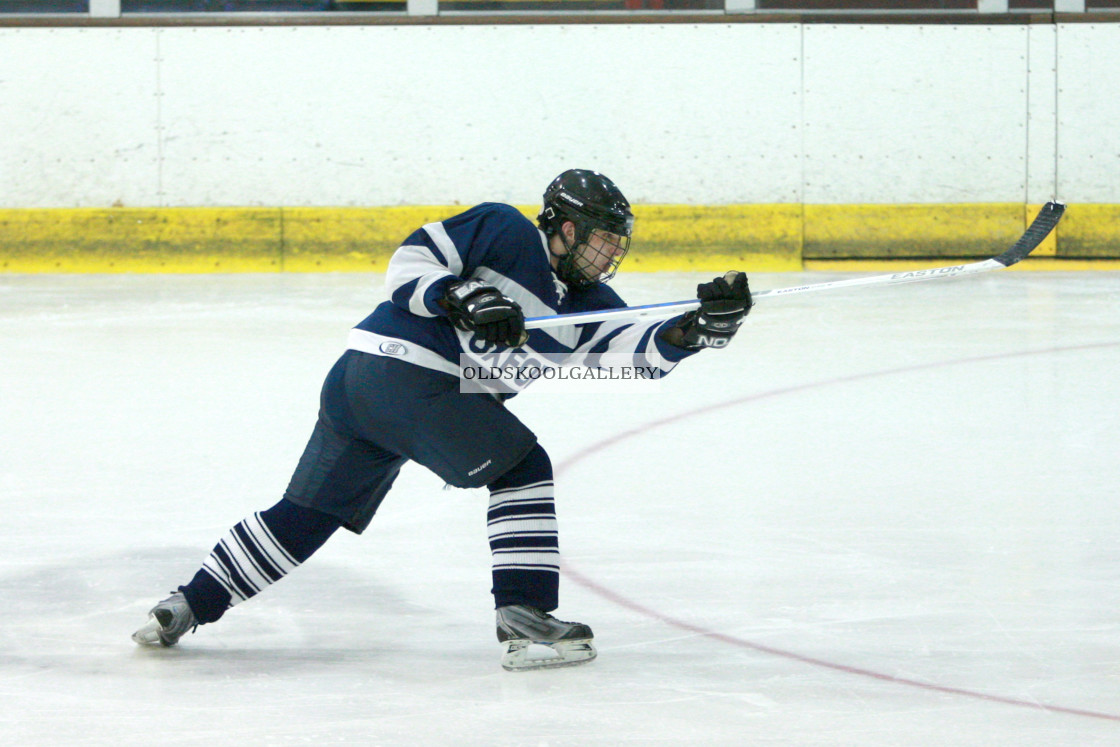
[148, 634]
[518, 656]
[152, 633]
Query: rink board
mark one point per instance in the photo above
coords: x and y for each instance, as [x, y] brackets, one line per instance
[772, 238]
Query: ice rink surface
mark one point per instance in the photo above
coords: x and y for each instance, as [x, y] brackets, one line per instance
[882, 516]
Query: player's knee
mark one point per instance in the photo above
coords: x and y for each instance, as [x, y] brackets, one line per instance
[535, 466]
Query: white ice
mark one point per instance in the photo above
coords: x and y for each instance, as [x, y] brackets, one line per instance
[885, 516]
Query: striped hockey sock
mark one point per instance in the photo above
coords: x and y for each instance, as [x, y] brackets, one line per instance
[256, 553]
[523, 535]
[248, 559]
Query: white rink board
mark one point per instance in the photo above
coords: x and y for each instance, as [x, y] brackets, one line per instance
[900, 114]
[435, 115]
[692, 114]
[78, 112]
[1042, 117]
[1089, 113]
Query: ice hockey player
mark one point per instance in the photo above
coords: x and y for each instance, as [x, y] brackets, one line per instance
[462, 286]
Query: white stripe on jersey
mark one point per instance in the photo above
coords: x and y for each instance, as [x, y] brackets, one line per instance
[444, 243]
[413, 262]
[416, 303]
[625, 343]
[392, 347]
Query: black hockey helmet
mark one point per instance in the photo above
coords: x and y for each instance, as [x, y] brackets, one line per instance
[593, 203]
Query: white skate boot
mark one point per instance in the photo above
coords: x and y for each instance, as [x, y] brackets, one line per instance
[520, 626]
[167, 622]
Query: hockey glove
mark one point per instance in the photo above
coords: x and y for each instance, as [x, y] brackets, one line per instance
[474, 306]
[724, 303]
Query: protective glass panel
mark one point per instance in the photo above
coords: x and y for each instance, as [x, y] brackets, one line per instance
[491, 6]
[845, 5]
[224, 6]
[44, 6]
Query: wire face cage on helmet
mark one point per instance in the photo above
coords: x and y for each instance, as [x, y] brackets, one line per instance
[603, 225]
[593, 257]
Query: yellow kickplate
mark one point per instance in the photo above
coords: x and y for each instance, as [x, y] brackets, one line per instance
[140, 240]
[709, 238]
[1090, 232]
[351, 239]
[716, 238]
[910, 231]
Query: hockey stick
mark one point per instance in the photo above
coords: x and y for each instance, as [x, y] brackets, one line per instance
[1038, 230]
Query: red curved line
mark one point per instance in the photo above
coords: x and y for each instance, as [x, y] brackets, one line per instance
[731, 640]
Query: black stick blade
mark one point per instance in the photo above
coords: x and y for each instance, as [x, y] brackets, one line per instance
[1038, 230]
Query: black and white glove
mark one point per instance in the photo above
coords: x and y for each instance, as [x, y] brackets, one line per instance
[724, 303]
[474, 306]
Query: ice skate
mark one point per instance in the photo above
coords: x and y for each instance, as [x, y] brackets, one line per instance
[520, 627]
[167, 622]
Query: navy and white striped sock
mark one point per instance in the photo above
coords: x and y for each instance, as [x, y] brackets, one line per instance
[248, 559]
[524, 540]
[255, 554]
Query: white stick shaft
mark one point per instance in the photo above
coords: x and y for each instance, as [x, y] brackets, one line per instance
[671, 309]
[892, 279]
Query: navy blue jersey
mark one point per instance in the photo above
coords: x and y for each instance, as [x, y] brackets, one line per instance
[498, 245]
